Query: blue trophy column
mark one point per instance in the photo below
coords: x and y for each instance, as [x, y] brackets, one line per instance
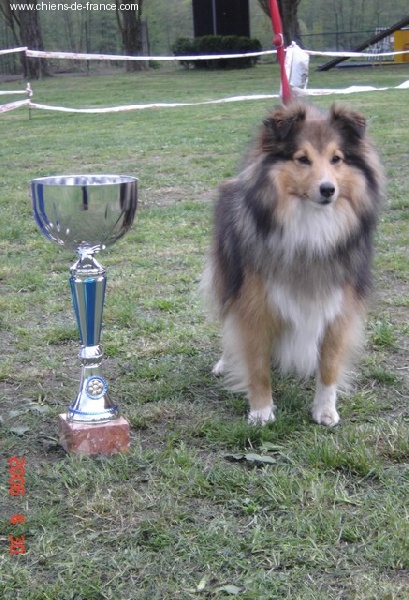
[88, 297]
[88, 283]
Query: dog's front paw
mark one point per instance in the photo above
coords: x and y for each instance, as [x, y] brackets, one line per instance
[324, 415]
[261, 416]
[218, 368]
[324, 410]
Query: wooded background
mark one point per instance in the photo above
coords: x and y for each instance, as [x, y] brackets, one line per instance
[320, 25]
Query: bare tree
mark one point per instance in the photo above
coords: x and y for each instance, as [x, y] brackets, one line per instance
[130, 25]
[288, 11]
[8, 15]
[25, 27]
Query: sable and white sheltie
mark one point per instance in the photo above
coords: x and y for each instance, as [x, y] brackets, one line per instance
[289, 268]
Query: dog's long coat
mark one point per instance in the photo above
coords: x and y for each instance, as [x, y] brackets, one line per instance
[288, 272]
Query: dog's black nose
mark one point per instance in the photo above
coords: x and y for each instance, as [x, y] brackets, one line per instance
[327, 189]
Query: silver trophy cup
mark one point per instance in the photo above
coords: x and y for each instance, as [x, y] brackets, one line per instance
[85, 214]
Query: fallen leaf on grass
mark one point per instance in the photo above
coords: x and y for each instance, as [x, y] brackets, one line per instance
[229, 589]
[39, 408]
[17, 413]
[270, 447]
[202, 584]
[252, 458]
[19, 430]
[210, 585]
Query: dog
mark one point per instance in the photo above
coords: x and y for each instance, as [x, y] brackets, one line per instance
[289, 269]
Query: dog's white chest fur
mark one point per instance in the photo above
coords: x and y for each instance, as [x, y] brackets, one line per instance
[305, 319]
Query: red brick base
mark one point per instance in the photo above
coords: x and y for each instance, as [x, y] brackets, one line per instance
[89, 439]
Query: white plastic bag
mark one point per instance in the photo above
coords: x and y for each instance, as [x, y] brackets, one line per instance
[296, 66]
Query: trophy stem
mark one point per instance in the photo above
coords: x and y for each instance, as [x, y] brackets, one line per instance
[88, 283]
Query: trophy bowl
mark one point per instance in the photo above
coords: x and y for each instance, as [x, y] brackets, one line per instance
[85, 214]
[84, 211]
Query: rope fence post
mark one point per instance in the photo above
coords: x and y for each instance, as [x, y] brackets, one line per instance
[278, 41]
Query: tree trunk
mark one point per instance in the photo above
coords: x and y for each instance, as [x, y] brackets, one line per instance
[30, 35]
[11, 19]
[129, 22]
[291, 28]
[26, 30]
[288, 11]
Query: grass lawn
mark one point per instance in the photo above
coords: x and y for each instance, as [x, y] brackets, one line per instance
[323, 514]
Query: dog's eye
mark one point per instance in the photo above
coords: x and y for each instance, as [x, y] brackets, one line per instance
[335, 159]
[303, 160]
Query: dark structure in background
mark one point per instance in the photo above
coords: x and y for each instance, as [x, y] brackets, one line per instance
[221, 17]
[372, 40]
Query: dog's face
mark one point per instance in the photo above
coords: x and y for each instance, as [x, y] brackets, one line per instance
[314, 173]
[311, 152]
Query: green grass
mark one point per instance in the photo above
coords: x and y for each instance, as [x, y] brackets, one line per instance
[179, 518]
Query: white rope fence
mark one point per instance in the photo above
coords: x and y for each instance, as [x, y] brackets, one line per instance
[18, 103]
[11, 50]
[81, 56]
[28, 91]
[120, 57]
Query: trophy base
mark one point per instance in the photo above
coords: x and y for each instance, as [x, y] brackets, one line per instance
[106, 438]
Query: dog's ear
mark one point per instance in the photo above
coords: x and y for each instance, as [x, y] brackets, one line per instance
[282, 121]
[348, 121]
